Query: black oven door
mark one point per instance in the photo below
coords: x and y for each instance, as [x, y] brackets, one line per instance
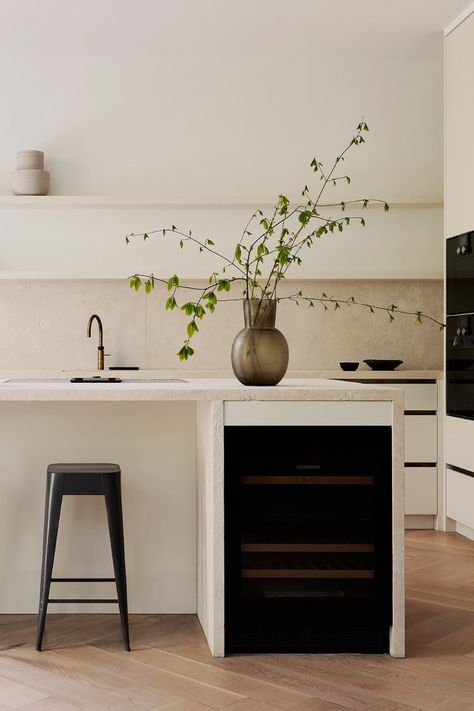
[460, 274]
[460, 366]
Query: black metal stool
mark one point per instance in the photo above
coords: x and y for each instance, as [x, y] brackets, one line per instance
[83, 480]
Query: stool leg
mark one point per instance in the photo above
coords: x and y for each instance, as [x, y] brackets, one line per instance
[50, 534]
[113, 502]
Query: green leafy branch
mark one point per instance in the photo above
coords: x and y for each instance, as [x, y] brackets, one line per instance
[330, 301]
[268, 247]
[205, 303]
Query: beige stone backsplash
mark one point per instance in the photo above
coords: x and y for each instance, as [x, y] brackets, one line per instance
[43, 326]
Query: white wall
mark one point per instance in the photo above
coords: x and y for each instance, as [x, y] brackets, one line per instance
[211, 103]
[221, 101]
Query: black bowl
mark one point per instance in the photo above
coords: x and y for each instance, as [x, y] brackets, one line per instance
[383, 364]
[349, 365]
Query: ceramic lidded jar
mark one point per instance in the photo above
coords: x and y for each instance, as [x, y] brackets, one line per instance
[29, 177]
[260, 351]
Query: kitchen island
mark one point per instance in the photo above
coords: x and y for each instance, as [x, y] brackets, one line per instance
[168, 438]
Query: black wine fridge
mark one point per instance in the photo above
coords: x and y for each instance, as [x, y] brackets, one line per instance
[308, 561]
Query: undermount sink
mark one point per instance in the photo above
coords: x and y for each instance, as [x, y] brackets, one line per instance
[154, 380]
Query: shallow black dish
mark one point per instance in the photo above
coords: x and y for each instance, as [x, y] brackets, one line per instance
[349, 365]
[383, 364]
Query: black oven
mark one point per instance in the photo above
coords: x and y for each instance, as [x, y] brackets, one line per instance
[460, 274]
[460, 366]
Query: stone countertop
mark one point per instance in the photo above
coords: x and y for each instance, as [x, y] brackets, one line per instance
[57, 387]
[363, 373]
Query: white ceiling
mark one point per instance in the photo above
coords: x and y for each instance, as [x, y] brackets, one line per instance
[219, 99]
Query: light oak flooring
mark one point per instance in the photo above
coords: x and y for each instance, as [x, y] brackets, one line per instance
[170, 667]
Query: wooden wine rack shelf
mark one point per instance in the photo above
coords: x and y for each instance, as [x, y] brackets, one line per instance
[293, 573]
[307, 547]
[259, 480]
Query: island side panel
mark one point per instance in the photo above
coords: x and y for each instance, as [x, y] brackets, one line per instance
[397, 632]
[210, 523]
[154, 444]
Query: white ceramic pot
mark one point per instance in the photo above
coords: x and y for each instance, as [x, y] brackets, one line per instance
[33, 160]
[30, 182]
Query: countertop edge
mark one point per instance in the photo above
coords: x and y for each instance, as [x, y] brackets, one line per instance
[197, 390]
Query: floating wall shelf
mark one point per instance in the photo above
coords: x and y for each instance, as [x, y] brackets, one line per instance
[108, 201]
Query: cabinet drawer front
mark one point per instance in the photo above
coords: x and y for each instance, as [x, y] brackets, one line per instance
[417, 396]
[421, 396]
[460, 497]
[307, 412]
[421, 438]
[421, 490]
[459, 442]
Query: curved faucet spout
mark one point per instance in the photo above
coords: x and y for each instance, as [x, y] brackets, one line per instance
[100, 348]
[101, 331]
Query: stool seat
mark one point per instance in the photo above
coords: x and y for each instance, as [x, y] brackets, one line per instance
[83, 468]
[83, 479]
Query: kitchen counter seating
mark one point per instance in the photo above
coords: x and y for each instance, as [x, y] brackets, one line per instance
[83, 480]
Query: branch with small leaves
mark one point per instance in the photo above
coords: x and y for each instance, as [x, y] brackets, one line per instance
[268, 247]
[328, 302]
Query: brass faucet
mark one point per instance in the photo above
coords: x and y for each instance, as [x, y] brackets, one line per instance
[100, 348]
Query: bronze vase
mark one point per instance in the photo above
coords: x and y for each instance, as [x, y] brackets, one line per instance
[260, 351]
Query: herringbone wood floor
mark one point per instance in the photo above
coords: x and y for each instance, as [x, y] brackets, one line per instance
[170, 668]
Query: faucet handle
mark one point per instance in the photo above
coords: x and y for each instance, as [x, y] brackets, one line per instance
[100, 357]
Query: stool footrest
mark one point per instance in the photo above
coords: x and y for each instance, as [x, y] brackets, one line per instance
[81, 600]
[83, 580]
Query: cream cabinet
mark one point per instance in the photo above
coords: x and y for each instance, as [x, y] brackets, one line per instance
[460, 497]
[459, 136]
[421, 454]
[421, 438]
[422, 443]
[421, 491]
[460, 474]
[459, 218]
